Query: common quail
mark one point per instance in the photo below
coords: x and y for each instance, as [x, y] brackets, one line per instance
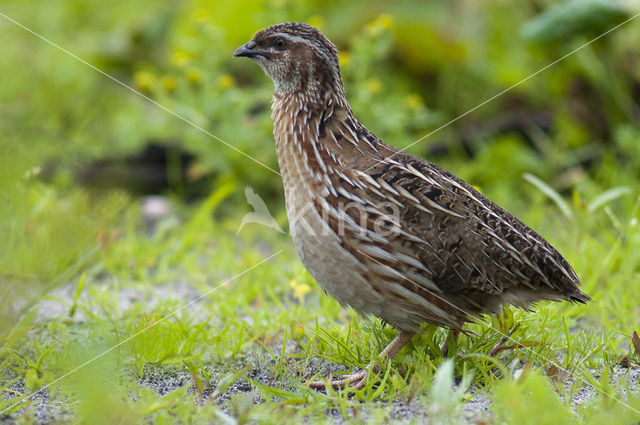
[380, 230]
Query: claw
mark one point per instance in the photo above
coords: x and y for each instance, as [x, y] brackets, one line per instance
[354, 381]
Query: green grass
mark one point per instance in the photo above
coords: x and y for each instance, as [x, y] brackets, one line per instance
[273, 329]
[113, 317]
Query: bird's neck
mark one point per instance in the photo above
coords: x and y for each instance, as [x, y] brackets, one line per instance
[318, 131]
[304, 122]
[301, 117]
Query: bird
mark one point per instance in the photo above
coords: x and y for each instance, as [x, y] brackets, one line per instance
[387, 233]
[260, 213]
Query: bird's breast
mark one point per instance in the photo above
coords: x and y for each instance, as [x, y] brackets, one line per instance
[318, 246]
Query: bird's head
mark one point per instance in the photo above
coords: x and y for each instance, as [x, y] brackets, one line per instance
[297, 57]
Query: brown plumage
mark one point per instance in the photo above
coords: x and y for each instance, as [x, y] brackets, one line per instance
[382, 231]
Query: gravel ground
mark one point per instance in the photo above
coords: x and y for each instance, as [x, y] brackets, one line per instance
[164, 379]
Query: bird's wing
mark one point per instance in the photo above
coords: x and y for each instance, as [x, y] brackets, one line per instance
[465, 241]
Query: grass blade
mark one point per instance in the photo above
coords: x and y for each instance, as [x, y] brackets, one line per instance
[607, 196]
[551, 193]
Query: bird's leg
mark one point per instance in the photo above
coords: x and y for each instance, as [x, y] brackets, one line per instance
[450, 342]
[357, 380]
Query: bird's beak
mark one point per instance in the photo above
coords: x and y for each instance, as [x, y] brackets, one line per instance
[246, 50]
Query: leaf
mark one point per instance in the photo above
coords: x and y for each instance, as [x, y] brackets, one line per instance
[556, 373]
[607, 196]
[442, 387]
[198, 380]
[225, 188]
[635, 340]
[289, 397]
[21, 328]
[76, 295]
[572, 18]
[32, 381]
[167, 400]
[552, 371]
[521, 344]
[551, 193]
[180, 359]
[10, 405]
[224, 384]
[624, 361]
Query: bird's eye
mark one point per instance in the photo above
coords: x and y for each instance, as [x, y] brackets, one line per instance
[279, 43]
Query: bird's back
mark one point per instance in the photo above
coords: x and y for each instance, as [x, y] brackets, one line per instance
[478, 254]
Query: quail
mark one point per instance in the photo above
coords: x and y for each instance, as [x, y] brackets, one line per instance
[382, 231]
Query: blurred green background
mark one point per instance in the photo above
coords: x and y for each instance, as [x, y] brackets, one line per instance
[79, 152]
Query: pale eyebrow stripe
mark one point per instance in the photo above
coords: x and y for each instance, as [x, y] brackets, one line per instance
[293, 38]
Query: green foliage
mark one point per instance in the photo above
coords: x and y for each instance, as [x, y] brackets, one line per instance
[521, 400]
[444, 403]
[162, 341]
[570, 18]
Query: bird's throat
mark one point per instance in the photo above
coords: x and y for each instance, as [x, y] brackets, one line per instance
[296, 128]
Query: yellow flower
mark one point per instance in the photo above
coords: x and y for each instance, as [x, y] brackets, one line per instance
[344, 58]
[299, 290]
[170, 83]
[202, 16]
[226, 81]
[194, 76]
[144, 80]
[380, 24]
[316, 21]
[414, 101]
[180, 58]
[385, 20]
[373, 85]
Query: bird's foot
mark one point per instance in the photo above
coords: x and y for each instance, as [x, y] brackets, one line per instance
[354, 381]
[357, 380]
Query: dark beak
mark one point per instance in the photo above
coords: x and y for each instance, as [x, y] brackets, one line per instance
[246, 50]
